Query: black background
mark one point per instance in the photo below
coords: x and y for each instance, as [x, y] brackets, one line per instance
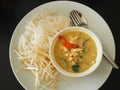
[12, 11]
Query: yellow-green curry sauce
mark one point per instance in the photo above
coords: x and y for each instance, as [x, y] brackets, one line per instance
[81, 60]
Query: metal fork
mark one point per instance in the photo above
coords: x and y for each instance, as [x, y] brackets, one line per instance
[77, 19]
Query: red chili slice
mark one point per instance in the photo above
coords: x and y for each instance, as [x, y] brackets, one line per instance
[68, 45]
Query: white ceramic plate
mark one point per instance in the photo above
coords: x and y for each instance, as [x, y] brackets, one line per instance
[95, 22]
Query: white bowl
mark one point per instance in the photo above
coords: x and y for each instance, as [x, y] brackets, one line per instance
[98, 58]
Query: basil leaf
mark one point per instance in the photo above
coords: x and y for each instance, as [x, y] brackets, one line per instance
[75, 67]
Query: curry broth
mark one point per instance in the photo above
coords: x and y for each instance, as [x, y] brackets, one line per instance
[76, 59]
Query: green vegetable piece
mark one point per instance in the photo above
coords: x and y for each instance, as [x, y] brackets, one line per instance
[85, 42]
[84, 51]
[81, 57]
[75, 67]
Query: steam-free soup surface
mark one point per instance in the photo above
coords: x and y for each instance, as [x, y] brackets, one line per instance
[75, 51]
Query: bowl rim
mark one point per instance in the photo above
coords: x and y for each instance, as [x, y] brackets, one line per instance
[98, 45]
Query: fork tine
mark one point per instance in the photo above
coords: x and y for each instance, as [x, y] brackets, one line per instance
[73, 18]
[71, 23]
[80, 18]
[77, 18]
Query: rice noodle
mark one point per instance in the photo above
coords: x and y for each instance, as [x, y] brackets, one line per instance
[33, 47]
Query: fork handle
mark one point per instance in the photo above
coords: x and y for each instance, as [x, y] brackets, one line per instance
[110, 61]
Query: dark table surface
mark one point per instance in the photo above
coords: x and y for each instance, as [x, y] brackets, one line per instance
[12, 11]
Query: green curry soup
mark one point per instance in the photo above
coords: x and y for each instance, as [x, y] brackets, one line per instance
[75, 51]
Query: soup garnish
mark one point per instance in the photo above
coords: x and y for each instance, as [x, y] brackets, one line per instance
[67, 44]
